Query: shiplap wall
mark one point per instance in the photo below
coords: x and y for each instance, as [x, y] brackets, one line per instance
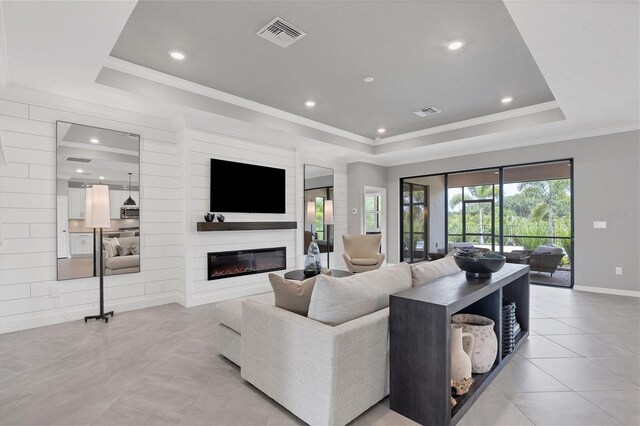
[174, 196]
[200, 147]
[28, 216]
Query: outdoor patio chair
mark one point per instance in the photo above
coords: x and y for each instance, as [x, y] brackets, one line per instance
[544, 258]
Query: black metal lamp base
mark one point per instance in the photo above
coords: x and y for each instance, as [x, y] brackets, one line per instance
[104, 317]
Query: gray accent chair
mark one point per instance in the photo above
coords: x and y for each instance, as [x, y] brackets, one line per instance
[545, 258]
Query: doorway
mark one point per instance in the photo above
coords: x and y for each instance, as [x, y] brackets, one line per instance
[415, 220]
[62, 227]
[374, 210]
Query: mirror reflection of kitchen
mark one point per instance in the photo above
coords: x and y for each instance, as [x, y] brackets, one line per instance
[87, 156]
[318, 189]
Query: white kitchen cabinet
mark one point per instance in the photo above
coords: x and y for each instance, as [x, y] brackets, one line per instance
[81, 243]
[76, 203]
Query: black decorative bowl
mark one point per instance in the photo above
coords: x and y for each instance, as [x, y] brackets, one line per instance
[479, 268]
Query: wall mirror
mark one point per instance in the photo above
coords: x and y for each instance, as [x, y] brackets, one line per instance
[318, 204]
[87, 156]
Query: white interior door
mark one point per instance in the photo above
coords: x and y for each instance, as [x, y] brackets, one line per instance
[62, 210]
[374, 219]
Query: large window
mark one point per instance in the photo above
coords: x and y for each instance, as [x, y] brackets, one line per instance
[319, 222]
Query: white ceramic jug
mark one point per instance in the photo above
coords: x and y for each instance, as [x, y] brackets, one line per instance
[485, 348]
[460, 360]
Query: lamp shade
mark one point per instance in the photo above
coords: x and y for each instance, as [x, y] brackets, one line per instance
[97, 212]
[311, 213]
[328, 212]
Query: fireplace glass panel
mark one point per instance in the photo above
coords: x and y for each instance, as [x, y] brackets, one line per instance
[245, 262]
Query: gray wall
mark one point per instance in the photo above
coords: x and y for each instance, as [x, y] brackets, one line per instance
[360, 175]
[606, 187]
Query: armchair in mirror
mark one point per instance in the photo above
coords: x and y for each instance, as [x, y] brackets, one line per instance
[89, 156]
[318, 205]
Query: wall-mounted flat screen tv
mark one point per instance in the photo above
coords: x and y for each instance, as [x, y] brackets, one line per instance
[230, 193]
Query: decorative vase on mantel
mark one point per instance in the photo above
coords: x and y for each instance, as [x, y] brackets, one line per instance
[460, 359]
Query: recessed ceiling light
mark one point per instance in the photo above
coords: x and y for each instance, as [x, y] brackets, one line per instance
[94, 140]
[455, 44]
[79, 170]
[177, 55]
[368, 79]
[310, 104]
[381, 130]
[101, 177]
[506, 100]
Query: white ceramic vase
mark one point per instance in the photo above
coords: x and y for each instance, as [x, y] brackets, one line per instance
[485, 347]
[460, 360]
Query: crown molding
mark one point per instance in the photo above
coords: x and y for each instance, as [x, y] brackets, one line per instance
[457, 150]
[179, 83]
[505, 115]
[470, 132]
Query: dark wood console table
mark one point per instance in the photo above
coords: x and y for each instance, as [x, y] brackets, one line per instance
[419, 328]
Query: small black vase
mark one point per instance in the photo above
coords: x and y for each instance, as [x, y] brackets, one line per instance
[220, 218]
[209, 217]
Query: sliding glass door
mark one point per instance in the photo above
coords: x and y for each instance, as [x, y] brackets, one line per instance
[414, 222]
[523, 211]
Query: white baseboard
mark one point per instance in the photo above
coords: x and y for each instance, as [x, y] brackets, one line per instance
[605, 290]
[27, 321]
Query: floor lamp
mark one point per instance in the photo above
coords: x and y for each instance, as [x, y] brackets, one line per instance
[311, 216]
[328, 220]
[98, 215]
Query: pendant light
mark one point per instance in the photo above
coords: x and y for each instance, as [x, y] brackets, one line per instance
[129, 201]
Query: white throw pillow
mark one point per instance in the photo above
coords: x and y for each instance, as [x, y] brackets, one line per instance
[337, 300]
[114, 246]
[110, 247]
[425, 272]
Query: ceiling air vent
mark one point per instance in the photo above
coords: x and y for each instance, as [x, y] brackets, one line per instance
[280, 32]
[79, 160]
[426, 112]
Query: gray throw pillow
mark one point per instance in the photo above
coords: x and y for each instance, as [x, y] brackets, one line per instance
[124, 250]
[135, 250]
[293, 296]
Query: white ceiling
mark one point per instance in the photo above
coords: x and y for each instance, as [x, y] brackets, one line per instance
[588, 53]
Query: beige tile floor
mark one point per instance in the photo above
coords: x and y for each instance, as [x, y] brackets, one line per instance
[159, 366]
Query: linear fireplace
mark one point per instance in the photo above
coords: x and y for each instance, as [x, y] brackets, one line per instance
[227, 264]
